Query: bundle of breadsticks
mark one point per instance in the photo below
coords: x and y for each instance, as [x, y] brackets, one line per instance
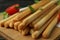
[41, 21]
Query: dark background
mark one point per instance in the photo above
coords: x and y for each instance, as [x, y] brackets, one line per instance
[6, 3]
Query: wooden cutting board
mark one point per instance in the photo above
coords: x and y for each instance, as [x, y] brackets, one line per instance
[12, 34]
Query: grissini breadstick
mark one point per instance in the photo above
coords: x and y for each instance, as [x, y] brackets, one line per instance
[32, 17]
[40, 17]
[3, 21]
[16, 25]
[35, 6]
[25, 31]
[27, 11]
[32, 31]
[20, 31]
[35, 21]
[11, 24]
[38, 32]
[6, 24]
[50, 27]
[47, 17]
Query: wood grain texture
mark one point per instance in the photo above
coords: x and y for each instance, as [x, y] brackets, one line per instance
[15, 35]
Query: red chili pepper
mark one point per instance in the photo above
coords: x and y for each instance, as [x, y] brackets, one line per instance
[12, 9]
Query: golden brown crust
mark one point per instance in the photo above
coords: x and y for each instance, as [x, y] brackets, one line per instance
[45, 19]
[50, 27]
[16, 25]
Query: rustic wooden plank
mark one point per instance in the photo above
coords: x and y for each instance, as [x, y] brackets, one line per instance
[15, 35]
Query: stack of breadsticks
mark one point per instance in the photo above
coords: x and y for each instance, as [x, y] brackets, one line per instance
[41, 21]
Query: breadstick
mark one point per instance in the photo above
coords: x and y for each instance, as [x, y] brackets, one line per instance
[50, 27]
[3, 21]
[27, 11]
[6, 24]
[11, 25]
[16, 25]
[32, 31]
[38, 32]
[32, 17]
[25, 31]
[34, 22]
[39, 24]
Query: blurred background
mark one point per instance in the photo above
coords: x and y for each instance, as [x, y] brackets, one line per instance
[6, 3]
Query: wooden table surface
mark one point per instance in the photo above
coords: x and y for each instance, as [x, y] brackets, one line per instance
[12, 34]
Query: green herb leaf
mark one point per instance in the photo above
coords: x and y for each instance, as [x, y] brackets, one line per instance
[5, 15]
[32, 9]
[58, 2]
